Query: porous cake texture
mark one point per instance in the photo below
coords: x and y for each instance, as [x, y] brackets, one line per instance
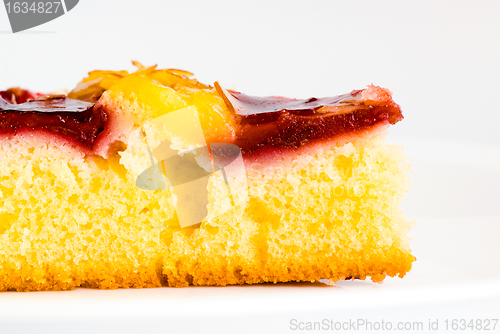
[70, 219]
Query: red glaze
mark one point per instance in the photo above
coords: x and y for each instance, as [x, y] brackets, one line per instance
[74, 120]
[292, 131]
[266, 124]
[271, 123]
[17, 95]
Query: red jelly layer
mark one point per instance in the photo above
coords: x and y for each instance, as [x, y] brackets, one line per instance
[17, 95]
[294, 130]
[270, 123]
[74, 120]
[265, 123]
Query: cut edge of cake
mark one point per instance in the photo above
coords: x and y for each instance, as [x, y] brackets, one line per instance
[330, 211]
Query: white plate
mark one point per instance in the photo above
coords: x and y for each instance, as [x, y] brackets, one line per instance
[455, 200]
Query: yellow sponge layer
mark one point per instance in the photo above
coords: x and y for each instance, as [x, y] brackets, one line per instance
[328, 213]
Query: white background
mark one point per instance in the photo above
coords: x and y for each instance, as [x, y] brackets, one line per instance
[441, 59]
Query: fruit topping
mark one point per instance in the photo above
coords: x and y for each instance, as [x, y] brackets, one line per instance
[72, 119]
[17, 95]
[267, 123]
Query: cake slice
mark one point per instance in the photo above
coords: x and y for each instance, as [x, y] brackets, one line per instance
[153, 179]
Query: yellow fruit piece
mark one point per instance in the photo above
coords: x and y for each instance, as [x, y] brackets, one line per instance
[159, 91]
[216, 120]
[181, 83]
[153, 99]
[92, 87]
